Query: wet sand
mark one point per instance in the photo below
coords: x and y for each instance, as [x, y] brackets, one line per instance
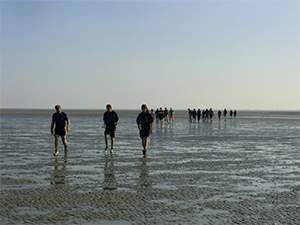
[195, 176]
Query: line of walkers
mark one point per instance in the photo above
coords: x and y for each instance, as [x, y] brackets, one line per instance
[163, 115]
[61, 121]
[208, 114]
[144, 122]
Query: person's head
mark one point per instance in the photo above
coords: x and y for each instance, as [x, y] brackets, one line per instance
[58, 108]
[108, 108]
[144, 108]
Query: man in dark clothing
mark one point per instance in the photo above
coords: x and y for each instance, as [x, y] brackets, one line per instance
[194, 113]
[225, 114]
[59, 119]
[111, 120]
[145, 125]
[219, 114]
[199, 115]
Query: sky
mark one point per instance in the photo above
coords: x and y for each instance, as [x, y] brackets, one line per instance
[181, 54]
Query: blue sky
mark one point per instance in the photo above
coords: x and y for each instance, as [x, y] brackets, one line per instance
[85, 54]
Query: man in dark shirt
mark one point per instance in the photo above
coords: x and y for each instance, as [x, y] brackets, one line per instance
[111, 120]
[59, 119]
[145, 125]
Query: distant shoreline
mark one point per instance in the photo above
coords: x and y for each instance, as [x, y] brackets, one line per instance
[134, 112]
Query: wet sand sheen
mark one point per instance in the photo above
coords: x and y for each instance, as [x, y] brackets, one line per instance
[242, 171]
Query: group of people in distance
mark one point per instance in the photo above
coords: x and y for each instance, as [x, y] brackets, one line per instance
[163, 115]
[144, 122]
[208, 114]
[61, 121]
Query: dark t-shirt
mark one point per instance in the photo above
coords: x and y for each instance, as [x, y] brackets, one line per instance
[60, 120]
[144, 119]
[110, 118]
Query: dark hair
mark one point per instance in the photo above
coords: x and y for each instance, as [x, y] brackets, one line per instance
[144, 106]
[108, 106]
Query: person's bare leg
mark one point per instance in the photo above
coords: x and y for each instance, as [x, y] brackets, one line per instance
[56, 141]
[106, 140]
[112, 142]
[145, 143]
[64, 141]
[56, 144]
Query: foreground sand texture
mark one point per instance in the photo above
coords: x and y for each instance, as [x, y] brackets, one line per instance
[248, 191]
[193, 174]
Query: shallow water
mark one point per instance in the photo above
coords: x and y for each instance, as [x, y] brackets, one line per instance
[196, 171]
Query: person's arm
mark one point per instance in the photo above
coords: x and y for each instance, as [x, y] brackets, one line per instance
[151, 128]
[52, 126]
[117, 118]
[68, 125]
[138, 123]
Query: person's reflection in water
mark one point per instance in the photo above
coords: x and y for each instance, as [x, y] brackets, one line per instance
[144, 185]
[110, 182]
[59, 175]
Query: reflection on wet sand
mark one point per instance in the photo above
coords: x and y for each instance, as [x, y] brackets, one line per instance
[110, 182]
[144, 184]
[59, 175]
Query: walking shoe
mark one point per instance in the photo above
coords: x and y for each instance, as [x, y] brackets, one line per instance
[106, 150]
[56, 153]
[144, 152]
[66, 149]
[111, 151]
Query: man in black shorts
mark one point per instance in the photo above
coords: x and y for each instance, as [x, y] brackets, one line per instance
[145, 125]
[111, 120]
[59, 119]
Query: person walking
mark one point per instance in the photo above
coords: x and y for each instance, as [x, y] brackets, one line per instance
[199, 115]
[161, 115]
[111, 120]
[211, 114]
[166, 114]
[225, 114]
[145, 125]
[171, 115]
[219, 114]
[190, 114]
[194, 113]
[59, 119]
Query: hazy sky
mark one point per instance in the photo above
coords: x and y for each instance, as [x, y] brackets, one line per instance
[85, 54]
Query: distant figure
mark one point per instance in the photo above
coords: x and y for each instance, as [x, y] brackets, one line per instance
[171, 115]
[166, 114]
[206, 115]
[194, 113]
[203, 115]
[225, 114]
[145, 125]
[219, 114]
[161, 115]
[234, 113]
[211, 114]
[156, 115]
[153, 114]
[199, 115]
[231, 113]
[190, 114]
[59, 119]
[111, 120]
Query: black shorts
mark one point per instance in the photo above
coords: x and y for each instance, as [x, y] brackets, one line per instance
[110, 130]
[144, 133]
[60, 131]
